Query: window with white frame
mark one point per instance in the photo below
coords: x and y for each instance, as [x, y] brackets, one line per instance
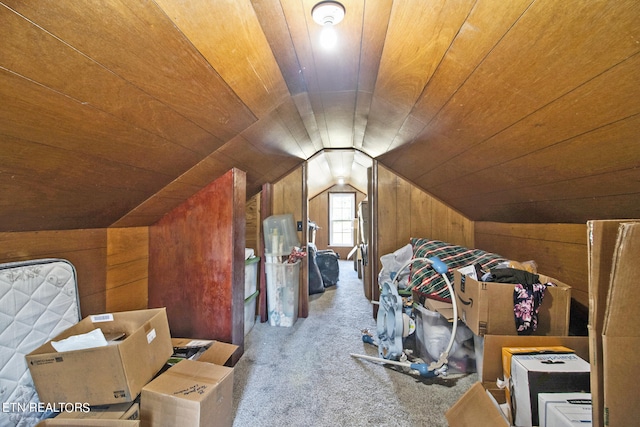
[342, 211]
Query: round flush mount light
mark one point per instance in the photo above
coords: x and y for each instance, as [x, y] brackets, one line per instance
[328, 12]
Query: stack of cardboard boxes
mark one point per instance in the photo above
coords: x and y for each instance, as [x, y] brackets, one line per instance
[610, 348]
[128, 381]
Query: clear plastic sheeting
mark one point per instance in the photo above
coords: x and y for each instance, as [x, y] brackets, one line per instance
[391, 264]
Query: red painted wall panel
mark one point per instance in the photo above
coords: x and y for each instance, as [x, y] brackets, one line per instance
[196, 262]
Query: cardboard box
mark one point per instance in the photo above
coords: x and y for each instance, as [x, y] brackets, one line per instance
[444, 308]
[192, 392]
[110, 374]
[118, 411]
[479, 405]
[532, 374]
[487, 307]
[564, 409]
[601, 242]
[87, 423]
[217, 352]
[621, 332]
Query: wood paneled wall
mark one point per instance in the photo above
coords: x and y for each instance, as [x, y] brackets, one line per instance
[405, 211]
[252, 239]
[127, 268]
[85, 249]
[319, 213]
[560, 250]
[111, 264]
[288, 197]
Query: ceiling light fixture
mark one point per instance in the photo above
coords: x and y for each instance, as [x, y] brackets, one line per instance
[328, 14]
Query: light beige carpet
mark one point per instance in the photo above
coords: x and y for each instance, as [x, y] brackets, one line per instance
[304, 375]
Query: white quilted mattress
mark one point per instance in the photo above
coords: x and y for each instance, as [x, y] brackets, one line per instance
[38, 300]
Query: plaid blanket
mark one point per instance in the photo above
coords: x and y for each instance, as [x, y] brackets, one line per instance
[426, 282]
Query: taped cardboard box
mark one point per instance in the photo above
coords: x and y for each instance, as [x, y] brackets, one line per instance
[621, 332]
[487, 307]
[479, 405]
[192, 392]
[114, 373]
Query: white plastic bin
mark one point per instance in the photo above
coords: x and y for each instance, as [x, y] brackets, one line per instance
[283, 290]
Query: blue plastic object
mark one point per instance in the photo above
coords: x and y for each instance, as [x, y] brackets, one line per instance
[438, 265]
[390, 323]
[423, 370]
[368, 339]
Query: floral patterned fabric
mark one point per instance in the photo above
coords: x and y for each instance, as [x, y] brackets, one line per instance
[527, 300]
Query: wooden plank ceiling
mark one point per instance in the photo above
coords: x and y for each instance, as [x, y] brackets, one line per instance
[113, 112]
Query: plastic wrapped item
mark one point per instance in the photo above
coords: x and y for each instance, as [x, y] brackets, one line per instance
[530, 266]
[280, 236]
[433, 333]
[327, 261]
[391, 264]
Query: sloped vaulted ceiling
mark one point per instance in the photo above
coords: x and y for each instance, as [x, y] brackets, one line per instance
[115, 111]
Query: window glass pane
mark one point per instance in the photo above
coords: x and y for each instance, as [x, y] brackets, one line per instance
[341, 216]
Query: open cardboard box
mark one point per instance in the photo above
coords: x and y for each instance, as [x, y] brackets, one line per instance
[613, 274]
[601, 243]
[104, 375]
[192, 392]
[621, 332]
[479, 405]
[487, 307]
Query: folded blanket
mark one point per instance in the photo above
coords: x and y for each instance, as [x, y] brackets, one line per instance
[424, 280]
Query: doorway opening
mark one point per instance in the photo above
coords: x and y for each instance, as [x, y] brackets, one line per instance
[337, 186]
